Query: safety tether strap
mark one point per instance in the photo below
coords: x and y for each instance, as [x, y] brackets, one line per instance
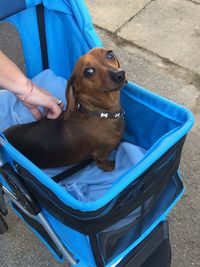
[61, 176]
[42, 34]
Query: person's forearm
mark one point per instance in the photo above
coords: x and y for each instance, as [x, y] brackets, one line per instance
[11, 77]
[32, 96]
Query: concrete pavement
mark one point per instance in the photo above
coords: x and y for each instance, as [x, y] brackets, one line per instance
[158, 43]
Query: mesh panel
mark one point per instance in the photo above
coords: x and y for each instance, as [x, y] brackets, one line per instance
[161, 257]
[115, 239]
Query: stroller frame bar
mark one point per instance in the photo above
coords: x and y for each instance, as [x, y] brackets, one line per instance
[2, 143]
[43, 221]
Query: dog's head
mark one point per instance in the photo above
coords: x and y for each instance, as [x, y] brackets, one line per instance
[95, 82]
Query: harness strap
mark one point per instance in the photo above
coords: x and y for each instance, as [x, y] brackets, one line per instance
[71, 171]
[42, 34]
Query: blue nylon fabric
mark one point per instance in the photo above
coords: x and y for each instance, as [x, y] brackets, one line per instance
[69, 34]
[65, 36]
[77, 243]
[161, 146]
[32, 3]
[9, 8]
[183, 121]
[145, 234]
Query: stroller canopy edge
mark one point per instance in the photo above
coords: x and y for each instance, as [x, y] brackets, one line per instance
[71, 27]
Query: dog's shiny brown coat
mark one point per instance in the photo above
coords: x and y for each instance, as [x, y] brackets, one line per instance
[76, 136]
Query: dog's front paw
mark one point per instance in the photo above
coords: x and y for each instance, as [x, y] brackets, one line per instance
[107, 165]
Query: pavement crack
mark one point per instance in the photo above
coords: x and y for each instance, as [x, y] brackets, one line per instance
[171, 67]
[129, 20]
[193, 1]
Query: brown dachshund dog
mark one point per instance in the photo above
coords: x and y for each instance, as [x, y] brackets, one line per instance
[90, 127]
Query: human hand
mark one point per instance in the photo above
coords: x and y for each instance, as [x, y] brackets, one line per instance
[35, 97]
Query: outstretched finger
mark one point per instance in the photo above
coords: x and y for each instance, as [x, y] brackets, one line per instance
[54, 112]
[37, 114]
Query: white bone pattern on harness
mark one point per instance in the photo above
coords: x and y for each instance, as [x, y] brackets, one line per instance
[116, 115]
[104, 115]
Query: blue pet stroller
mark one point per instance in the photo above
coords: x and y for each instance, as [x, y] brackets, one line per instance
[126, 226]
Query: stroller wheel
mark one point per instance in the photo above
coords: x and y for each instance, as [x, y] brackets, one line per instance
[3, 225]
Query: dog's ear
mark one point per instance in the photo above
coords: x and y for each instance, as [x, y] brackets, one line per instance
[71, 98]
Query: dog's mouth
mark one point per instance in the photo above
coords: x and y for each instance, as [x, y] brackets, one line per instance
[115, 89]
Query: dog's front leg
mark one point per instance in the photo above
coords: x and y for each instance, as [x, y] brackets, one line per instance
[101, 159]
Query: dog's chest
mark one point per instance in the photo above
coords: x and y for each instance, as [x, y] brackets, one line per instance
[90, 133]
[105, 130]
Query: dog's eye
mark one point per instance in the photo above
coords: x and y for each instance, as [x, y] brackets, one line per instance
[89, 72]
[110, 54]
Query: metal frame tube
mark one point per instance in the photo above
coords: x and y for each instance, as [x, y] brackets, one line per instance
[43, 221]
[56, 240]
[2, 141]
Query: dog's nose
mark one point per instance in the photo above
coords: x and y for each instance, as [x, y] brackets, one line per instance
[117, 76]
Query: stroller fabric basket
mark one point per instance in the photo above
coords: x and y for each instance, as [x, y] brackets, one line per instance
[104, 231]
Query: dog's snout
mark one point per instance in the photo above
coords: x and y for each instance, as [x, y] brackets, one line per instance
[117, 76]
